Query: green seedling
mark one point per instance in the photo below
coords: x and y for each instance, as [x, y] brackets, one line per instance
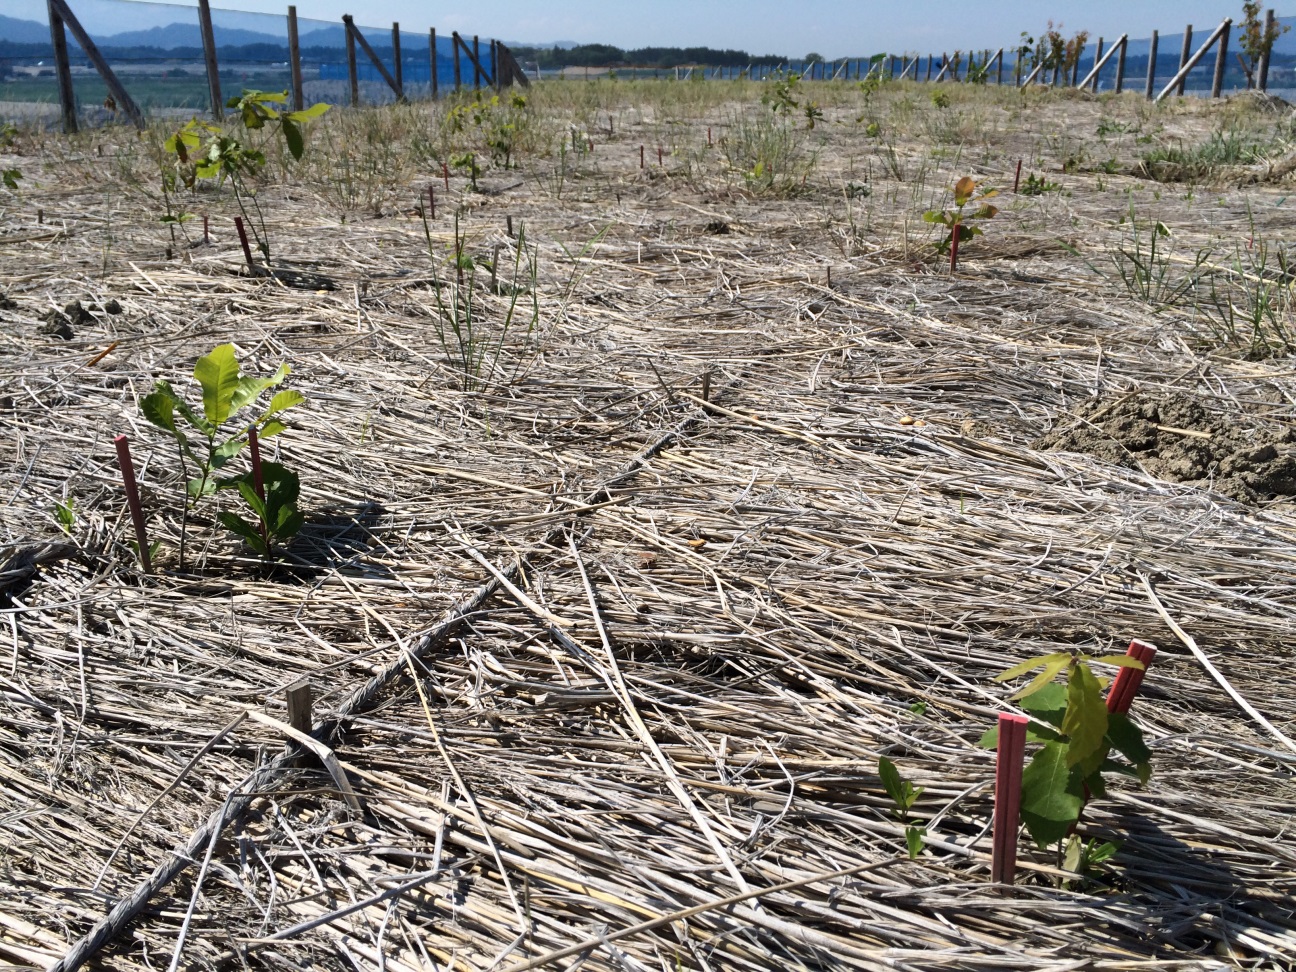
[466, 162]
[813, 113]
[956, 220]
[10, 178]
[1037, 186]
[780, 97]
[1082, 856]
[204, 151]
[225, 393]
[903, 795]
[940, 99]
[1078, 734]
[65, 514]
[275, 507]
[1257, 38]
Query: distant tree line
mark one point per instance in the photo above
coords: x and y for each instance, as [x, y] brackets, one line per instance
[605, 55]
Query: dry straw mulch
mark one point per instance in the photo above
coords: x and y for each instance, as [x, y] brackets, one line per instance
[607, 664]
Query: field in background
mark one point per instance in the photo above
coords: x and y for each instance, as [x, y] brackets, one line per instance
[774, 494]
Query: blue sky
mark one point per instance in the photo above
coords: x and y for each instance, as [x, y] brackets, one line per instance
[834, 28]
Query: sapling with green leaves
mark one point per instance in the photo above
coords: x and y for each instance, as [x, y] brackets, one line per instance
[10, 178]
[211, 438]
[224, 157]
[1078, 736]
[969, 204]
[904, 795]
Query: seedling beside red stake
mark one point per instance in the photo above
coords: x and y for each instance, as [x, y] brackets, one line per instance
[243, 238]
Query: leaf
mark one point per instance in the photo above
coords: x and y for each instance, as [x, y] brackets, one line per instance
[218, 374]
[293, 136]
[308, 114]
[1052, 665]
[963, 190]
[236, 524]
[1127, 739]
[198, 488]
[282, 400]
[914, 840]
[247, 489]
[159, 408]
[1051, 795]
[1103, 852]
[990, 738]
[1074, 855]
[1047, 703]
[250, 387]
[892, 782]
[1122, 661]
[271, 428]
[288, 526]
[1085, 724]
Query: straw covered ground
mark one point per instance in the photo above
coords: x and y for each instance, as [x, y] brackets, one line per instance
[608, 629]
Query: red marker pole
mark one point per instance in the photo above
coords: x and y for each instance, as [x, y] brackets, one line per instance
[445, 174]
[659, 155]
[708, 136]
[1017, 180]
[1128, 680]
[1007, 808]
[258, 483]
[641, 156]
[247, 250]
[954, 240]
[133, 500]
[431, 203]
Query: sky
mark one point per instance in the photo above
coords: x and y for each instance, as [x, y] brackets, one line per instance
[793, 28]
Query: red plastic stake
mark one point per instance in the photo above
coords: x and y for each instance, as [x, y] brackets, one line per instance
[133, 500]
[206, 235]
[708, 136]
[1017, 180]
[1128, 680]
[431, 203]
[445, 174]
[1007, 811]
[954, 249]
[247, 250]
[641, 157]
[659, 155]
[591, 143]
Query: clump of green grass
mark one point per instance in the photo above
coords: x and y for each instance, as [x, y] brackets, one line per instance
[1179, 162]
[769, 153]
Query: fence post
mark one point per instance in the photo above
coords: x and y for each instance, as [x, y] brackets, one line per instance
[1221, 52]
[209, 57]
[1269, 28]
[432, 57]
[999, 73]
[91, 50]
[67, 96]
[1098, 52]
[351, 63]
[1178, 80]
[476, 58]
[294, 60]
[1151, 75]
[1120, 65]
[1075, 68]
[494, 66]
[396, 60]
[455, 41]
[1183, 59]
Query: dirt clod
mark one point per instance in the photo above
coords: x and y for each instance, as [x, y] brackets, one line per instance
[1176, 437]
[112, 307]
[77, 314]
[58, 325]
[7, 303]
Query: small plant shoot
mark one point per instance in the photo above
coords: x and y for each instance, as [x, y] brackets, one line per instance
[969, 205]
[904, 795]
[1079, 736]
[202, 441]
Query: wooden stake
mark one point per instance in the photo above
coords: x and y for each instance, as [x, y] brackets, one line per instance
[455, 41]
[209, 58]
[1151, 71]
[397, 70]
[432, 58]
[1120, 65]
[1007, 806]
[1182, 76]
[300, 698]
[351, 63]
[294, 61]
[133, 500]
[124, 101]
[67, 95]
[1221, 56]
[1264, 56]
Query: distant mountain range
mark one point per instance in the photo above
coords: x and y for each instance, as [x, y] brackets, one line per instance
[187, 36]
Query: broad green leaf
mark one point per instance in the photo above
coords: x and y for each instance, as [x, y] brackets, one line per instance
[271, 428]
[1123, 661]
[198, 488]
[236, 524]
[1047, 703]
[1103, 852]
[289, 525]
[218, 374]
[1074, 855]
[1085, 724]
[293, 136]
[309, 114]
[990, 738]
[226, 451]
[1127, 739]
[1021, 668]
[892, 782]
[282, 400]
[250, 387]
[1050, 666]
[248, 491]
[914, 840]
[159, 408]
[1052, 795]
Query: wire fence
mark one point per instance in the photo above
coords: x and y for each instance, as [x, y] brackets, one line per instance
[156, 50]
